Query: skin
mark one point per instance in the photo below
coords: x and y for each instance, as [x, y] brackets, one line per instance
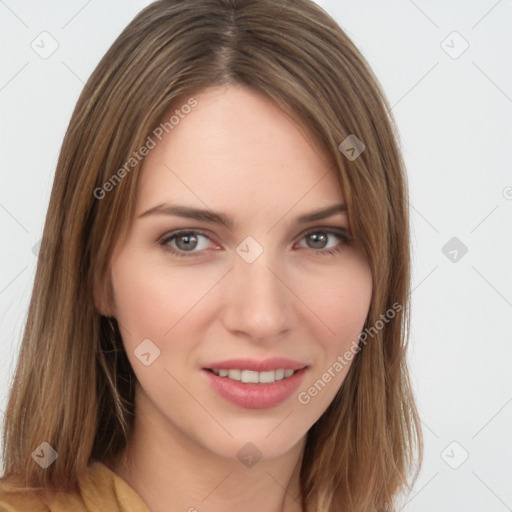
[238, 154]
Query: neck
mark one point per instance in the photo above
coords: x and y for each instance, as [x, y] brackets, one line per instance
[173, 473]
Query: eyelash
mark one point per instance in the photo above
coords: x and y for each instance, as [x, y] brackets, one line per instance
[341, 234]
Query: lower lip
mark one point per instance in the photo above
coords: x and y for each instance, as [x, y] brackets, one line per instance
[255, 396]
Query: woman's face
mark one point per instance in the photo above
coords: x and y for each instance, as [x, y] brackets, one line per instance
[265, 286]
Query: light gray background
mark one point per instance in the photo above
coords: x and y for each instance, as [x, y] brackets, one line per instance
[455, 120]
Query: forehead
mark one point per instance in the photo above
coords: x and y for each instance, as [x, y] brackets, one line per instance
[237, 151]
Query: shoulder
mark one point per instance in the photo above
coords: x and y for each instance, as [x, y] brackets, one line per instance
[14, 500]
[99, 486]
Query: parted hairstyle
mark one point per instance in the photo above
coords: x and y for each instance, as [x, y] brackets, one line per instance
[74, 386]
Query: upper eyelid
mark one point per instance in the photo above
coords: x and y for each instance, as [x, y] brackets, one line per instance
[338, 231]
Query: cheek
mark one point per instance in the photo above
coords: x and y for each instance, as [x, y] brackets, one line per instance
[153, 301]
[353, 302]
[139, 300]
[342, 304]
[340, 299]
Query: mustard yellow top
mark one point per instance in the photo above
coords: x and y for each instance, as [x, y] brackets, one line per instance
[101, 490]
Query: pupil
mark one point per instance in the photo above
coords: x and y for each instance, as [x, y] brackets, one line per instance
[188, 239]
[318, 237]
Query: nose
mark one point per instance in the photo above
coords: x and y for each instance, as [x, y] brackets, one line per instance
[258, 301]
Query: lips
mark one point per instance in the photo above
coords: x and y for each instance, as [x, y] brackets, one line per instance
[252, 395]
[274, 363]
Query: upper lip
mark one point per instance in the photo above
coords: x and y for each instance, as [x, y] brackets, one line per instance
[274, 363]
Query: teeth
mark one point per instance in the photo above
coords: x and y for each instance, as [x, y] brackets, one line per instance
[234, 374]
[250, 377]
[266, 377]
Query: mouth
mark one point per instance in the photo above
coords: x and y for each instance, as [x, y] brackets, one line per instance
[256, 384]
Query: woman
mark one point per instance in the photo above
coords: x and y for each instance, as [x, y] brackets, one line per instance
[220, 310]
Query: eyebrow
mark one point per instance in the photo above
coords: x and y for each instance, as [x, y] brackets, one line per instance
[219, 218]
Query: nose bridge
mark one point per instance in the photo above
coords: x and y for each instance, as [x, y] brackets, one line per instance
[259, 303]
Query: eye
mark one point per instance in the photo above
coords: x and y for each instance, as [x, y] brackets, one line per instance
[319, 239]
[184, 243]
[187, 243]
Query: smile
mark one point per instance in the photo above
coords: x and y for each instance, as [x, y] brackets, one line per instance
[255, 390]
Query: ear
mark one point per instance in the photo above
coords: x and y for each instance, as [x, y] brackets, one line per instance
[101, 301]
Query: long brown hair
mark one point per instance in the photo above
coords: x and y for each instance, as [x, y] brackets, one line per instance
[74, 387]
